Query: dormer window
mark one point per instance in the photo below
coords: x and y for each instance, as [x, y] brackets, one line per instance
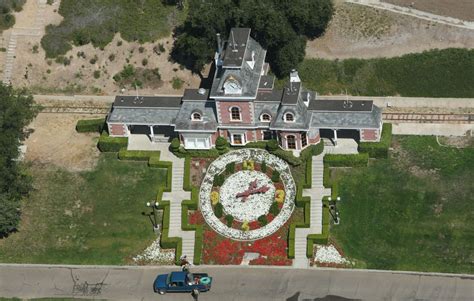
[265, 117]
[196, 116]
[235, 114]
[289, 117]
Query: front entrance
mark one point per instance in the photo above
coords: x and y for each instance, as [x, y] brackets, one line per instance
[197, 143]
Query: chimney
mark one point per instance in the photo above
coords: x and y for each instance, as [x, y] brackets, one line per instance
[294, 78]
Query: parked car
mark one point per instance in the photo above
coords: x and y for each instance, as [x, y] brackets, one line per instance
[182, 282]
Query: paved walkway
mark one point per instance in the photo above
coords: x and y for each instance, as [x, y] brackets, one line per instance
[415, 13]
[36, 29]
[177, 194]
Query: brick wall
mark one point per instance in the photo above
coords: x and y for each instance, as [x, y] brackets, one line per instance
[369, 135]
[117, 130]
[246, 110]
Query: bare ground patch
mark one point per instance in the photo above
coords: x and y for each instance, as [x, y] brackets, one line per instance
[54, 141]
[363, 32]
[460, 9]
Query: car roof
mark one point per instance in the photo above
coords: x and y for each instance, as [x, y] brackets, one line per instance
[178, 277]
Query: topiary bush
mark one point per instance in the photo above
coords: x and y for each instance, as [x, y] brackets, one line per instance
[175, 144]
[221, 144]
[219, 180]
[263, 167]
[214, 197]
[230, 168]
[262, 219]
[218, 210]
[229, 219]
[275, 176]
[274, 209]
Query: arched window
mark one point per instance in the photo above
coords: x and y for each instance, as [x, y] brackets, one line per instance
[235, 114]
[289, 117]
[196, 116]
[265, 117]
[291, 142]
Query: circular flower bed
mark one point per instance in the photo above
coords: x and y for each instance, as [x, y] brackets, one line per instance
[247, 195]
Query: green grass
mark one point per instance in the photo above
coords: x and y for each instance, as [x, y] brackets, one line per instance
[90, 217]
[435, 73]
[410, 212]
[96, 22]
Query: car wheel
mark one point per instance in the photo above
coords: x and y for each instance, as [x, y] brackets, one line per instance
[161, 292]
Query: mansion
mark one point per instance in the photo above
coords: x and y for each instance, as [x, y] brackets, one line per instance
[243, 105]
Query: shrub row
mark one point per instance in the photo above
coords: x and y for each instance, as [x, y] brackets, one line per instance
[183, 153]
[111, 144]
[378, 149]
[356, 160]
[321, 239]
[187, 174]
[90, 125]
[198, 238]
[135, 155]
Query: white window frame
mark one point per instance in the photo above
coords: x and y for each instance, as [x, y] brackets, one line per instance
[196, 119]
[269, 117]
[242, 137]
[289, 113]
[230, 114]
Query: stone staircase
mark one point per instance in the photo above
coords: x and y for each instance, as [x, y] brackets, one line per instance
[10, 58]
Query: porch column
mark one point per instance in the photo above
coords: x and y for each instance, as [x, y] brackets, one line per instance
[335, 137]
[152, 133]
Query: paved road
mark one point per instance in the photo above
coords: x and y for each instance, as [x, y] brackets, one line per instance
[233, 283]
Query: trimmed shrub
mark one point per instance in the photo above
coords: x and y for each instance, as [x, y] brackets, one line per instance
[218, 210]
[378, 149]
[275, 176]
[90, 125]
[230, 168]
[187, 174]
[274, 210]
[312, 150]
[263, 167]
[280, 196]
[287, 156]
[356, 160]
[111, 144]
[262, 219]
[221, 143]
[219, 180]
[229, 219]
[257, 144]
[175, 144]
[272, 145]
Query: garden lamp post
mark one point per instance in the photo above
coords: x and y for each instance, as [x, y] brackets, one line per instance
[333, 210]
[154, 205]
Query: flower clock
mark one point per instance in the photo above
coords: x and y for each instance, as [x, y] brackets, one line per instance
[247, 194]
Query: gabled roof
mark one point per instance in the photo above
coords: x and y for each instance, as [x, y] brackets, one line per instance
[247, 75]
[207, 109]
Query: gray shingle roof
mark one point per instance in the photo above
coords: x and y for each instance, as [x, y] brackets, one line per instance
[265, 107]
[301, 115]
[206, 108]
[341, 105]
[156, 116]
[247, 76]
[236, 47]
[348, 119]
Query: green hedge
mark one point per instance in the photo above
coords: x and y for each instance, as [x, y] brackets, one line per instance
[198, 238]
[312, 150]
[111, 144]
[135, 155]
[356, 160]
[187, 174]
[322, 238]
[287, 156]
[167, 242]
[183, 153]
[90, 125]
[378, 149]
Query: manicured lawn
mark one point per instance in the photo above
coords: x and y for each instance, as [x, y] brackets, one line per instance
[85, 218]
[413, 211]
[435, 73]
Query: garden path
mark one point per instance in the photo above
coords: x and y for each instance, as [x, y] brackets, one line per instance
[177, 194]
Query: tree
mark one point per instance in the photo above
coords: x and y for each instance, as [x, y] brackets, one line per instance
[16, 111]
[280, 26]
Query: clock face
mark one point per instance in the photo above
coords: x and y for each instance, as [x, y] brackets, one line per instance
[232, 86]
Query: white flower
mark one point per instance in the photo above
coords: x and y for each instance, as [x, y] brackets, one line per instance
[329, 254]
[155, 254]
